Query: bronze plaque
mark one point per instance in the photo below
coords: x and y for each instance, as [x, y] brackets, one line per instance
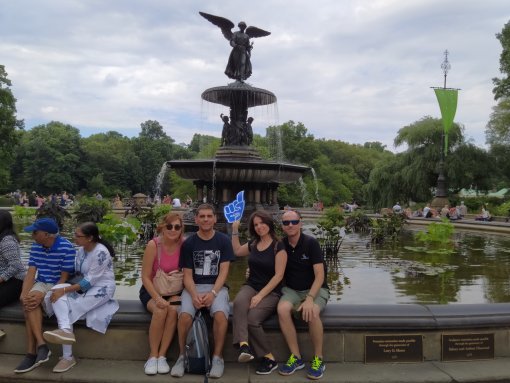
[467, 346]
[393, 348]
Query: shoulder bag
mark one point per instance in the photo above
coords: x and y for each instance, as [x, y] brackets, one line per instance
[167, 284]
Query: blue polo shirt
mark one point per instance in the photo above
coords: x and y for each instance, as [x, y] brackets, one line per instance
[50, 262]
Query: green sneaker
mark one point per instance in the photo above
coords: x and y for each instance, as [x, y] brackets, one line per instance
[293, 364]
[317, 367]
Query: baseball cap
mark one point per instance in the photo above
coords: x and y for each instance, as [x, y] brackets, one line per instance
[43, 224]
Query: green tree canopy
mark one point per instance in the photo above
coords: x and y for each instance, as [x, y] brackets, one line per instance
[497, 131]
[412, 174]
[9, 130]
[502, 85]
[50, 159]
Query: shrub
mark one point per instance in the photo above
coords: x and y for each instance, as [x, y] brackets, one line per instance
[6, 201]
[91, 210]
[55, 211]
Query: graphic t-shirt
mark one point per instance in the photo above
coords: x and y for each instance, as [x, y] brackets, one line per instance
[204, 256]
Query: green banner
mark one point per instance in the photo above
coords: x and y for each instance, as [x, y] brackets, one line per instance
[447, 99]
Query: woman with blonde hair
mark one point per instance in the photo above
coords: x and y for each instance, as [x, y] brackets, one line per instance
[162, 252]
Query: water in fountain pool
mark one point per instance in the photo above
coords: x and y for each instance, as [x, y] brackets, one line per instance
[478, 271]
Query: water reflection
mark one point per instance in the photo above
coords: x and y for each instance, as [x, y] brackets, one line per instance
[478, 271]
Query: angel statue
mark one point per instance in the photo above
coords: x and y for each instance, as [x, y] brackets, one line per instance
[239, 63]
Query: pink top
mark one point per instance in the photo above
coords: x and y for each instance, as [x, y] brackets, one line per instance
[169, 262]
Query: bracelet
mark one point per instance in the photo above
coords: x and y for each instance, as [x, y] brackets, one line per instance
[235, 234]
[214, 293]
[311, 296]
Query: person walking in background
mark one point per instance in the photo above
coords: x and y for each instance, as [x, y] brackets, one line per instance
[205, 260]
[259, 296]
[12, 271]
[51, 262]
[90, 297]
[161, 252]
[306, 292]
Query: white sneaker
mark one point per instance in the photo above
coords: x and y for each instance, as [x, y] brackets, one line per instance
[178, 368]
[217, 367]
[163, 367]
[151, 366]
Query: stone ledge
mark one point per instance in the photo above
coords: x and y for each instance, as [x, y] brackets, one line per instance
[342, 317]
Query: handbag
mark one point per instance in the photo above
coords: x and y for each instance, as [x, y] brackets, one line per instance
[167, 284]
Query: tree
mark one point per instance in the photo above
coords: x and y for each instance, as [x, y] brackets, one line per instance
[502, 85]
[497, 131]
[111, 155]
[49, 159]
[9, 130]
[154, 147]
[411, 175]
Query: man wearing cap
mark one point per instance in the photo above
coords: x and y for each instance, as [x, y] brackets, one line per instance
[51, 261]
[306, 294]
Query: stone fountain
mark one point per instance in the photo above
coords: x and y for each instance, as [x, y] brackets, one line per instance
[237, 165]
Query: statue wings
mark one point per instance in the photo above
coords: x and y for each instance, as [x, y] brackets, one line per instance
[226, 26]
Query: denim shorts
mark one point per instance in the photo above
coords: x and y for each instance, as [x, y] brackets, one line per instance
[220, 303]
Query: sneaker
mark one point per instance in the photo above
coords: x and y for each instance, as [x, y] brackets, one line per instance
[245, 354]
[293, 364]
[151, 366]
[163, 367]
[266, 366]
[178, 368]
[217, 367]
[64, 364]
[317, 367]
[2, 334]
[59, 336]
[43, 354]
[27, 364]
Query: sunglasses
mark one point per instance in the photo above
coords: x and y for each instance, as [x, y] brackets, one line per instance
[177, 227]
[292, 221]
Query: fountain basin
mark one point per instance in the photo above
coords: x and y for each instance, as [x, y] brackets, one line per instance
[238, 171]
[239, 92]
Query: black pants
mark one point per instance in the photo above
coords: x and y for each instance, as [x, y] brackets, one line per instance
[10, 291]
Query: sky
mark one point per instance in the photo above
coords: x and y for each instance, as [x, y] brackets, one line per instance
[349, 70]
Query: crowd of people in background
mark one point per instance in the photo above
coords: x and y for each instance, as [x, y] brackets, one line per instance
[35, 199]
[453, 213]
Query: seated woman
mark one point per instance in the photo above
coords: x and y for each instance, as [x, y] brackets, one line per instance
[161, 252]
[12, 271]
[484, 215]
[91, 298]
[258, 297]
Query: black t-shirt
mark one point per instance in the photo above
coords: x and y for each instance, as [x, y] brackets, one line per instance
[204, 257]
[299, 273]
[261, 264]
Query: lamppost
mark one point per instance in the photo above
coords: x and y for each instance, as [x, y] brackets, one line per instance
[447, 98]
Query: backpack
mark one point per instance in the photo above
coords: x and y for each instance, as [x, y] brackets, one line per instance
[197, 357]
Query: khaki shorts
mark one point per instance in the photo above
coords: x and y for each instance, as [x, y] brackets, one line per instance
[42, 287]
[297, 297]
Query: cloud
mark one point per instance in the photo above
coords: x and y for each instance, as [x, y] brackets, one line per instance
[355, 71]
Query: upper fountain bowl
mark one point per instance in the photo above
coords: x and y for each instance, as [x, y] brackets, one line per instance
[244, 93]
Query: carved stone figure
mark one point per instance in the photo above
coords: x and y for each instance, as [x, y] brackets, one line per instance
[239, 61]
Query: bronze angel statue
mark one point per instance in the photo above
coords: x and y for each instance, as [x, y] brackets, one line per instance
[239, 63]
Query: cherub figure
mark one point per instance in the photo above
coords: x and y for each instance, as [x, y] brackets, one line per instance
[239, 62]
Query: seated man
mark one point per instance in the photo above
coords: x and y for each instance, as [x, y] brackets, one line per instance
[51, 261]
[205, 261]
[306, 292]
